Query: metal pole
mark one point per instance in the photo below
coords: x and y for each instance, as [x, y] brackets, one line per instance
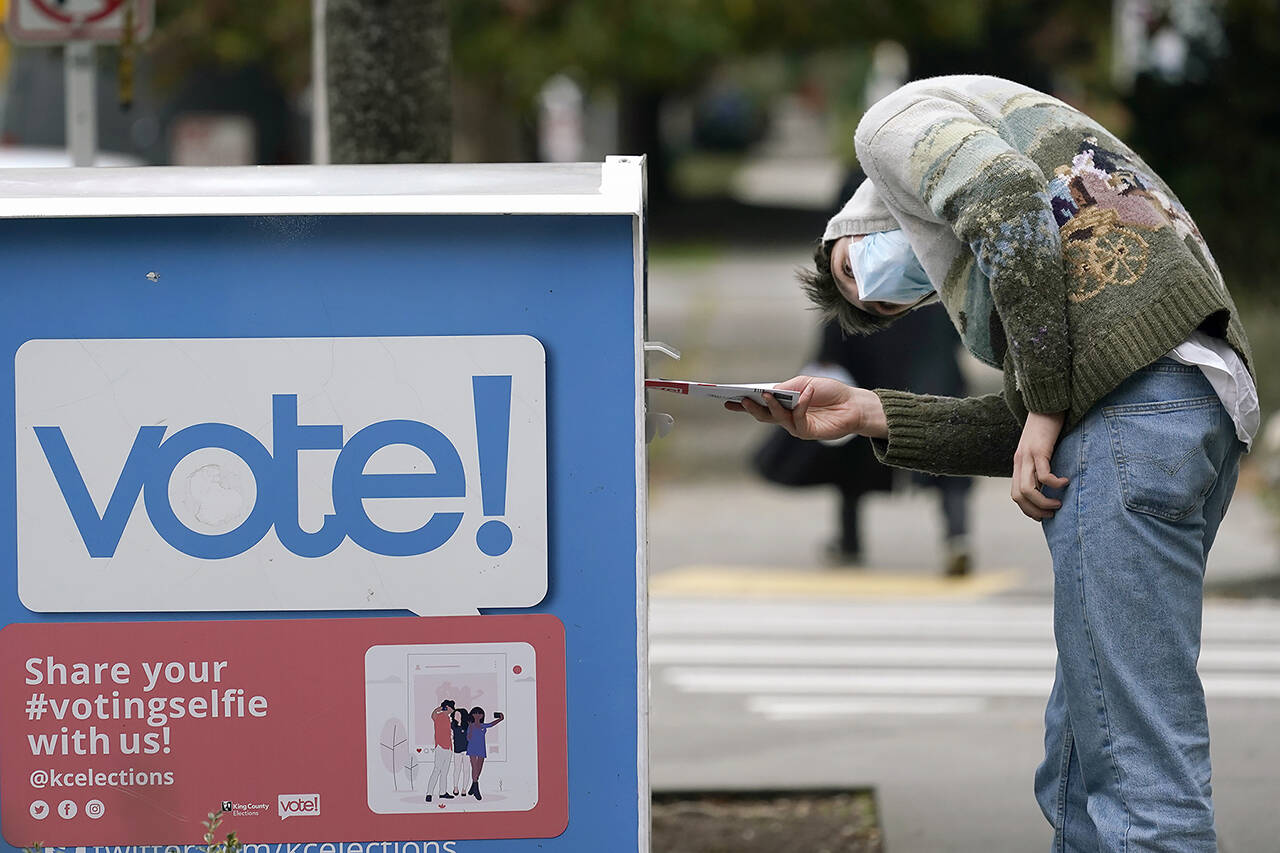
[319, 86]
[82, 102]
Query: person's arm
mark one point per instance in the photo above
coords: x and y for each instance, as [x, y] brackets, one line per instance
[971, 436]
[961, 436]
[941, 435]
[931, 157]
[498, 717]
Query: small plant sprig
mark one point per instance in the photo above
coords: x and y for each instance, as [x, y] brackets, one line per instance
[211, 845]
[38, 847]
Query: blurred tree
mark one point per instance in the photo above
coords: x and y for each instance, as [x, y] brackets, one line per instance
[1213, 132]
[388, 81]
[388, 64]
[646, 51]
[246, 57]
[649, 50]
[232, 34]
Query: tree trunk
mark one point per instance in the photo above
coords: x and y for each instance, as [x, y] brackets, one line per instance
[388, 81]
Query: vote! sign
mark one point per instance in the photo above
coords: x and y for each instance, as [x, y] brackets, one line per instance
[282, 474]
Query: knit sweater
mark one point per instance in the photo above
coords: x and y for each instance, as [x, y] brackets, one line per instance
[1060, 256]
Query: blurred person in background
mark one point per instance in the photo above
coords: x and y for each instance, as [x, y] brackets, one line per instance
[1128, 400]
[916, 354]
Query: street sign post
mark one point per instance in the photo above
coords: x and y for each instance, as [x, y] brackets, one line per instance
[324, 508]
[79, 25]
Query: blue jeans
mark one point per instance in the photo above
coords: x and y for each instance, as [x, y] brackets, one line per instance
[1152, 468]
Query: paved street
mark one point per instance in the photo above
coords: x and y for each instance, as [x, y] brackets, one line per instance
[935, 704]
[930, 691]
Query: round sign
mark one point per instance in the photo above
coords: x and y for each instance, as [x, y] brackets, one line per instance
[105, 7]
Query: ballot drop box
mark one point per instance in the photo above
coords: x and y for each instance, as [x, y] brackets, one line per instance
[322, 508]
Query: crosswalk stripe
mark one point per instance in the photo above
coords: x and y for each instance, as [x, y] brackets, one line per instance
[937, 682]
[945, 682]
[973, 612]
[1262, 613]
[668, 652]
[1221, 623]
[905, 629]
[820, 660]
[785, 625]
[817, 707]
[749, 582]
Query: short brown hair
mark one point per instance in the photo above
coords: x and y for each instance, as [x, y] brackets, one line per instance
[820, 286]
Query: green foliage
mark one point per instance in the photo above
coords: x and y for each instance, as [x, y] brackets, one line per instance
[653, 44]
[191, 34]
[670, 44]
[230, 844]
[1214, 138]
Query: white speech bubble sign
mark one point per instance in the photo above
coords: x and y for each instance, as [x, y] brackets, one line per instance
[390, 435]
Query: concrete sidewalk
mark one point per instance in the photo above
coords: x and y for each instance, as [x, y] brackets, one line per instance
[699, 529]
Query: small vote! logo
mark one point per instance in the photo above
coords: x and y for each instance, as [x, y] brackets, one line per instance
[298, 805]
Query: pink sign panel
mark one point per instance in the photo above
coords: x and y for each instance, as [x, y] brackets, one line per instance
[342, 729]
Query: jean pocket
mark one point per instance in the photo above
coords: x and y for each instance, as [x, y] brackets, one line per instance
[1162, 454]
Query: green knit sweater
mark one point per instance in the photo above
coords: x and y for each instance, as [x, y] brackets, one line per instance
[1061, 257]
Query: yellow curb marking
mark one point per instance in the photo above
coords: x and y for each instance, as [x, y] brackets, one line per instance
[708, 581]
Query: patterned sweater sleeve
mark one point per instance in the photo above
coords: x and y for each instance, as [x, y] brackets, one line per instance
[934, 159]
[971, 436]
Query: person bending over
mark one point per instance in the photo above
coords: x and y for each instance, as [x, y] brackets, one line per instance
[1064, 260]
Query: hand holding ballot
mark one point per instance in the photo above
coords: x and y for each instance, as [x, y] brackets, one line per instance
[825, 409]
[718, 391]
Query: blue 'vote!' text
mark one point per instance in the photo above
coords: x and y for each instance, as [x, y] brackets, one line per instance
[153, 457]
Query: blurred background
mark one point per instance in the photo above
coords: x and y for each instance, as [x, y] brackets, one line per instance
[745, 108]
[928, 687]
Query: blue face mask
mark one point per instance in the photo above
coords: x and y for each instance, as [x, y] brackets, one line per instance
[887, 270]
